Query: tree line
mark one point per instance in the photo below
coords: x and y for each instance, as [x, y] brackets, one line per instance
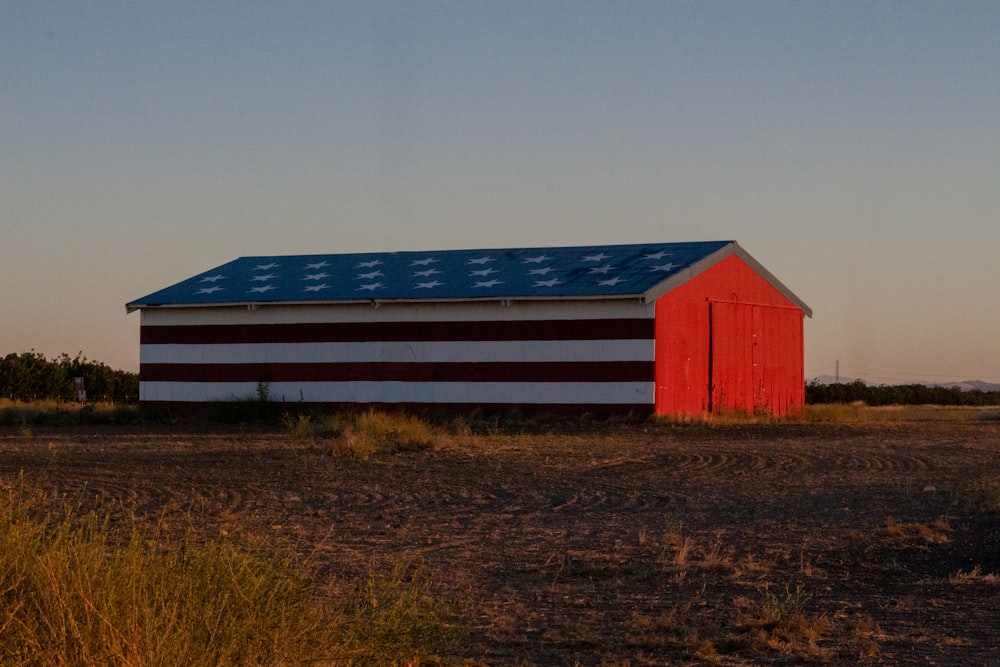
[898, 394]
[30, 376]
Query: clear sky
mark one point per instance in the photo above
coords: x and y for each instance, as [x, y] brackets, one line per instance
[853, 148]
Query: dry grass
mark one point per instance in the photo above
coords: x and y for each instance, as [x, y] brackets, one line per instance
[935, 532]
[366, 434]
[778, 622]
[722, 417]
[975, 575]
[394, 618]
[835, 413]
[59, 413]
[376, 433]
[985, 494]
[859, 413]
[842, 413]
[75, 590]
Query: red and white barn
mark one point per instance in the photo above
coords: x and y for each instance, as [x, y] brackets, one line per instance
[675, 328]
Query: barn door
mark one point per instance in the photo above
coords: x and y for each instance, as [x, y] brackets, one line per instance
[755, 357]
[731, 357]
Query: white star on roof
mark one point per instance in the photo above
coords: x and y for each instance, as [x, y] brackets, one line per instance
[316, 276]
[265, 267]
[483, 272]
[209, 290]
[433, 283]
[264, 278]
[369, 265]
[369, 276]
[371, 286]
[540, 272]
[212, 279]
[534, 260]
[612, 281]
[262, 288]
[317, 265]
[488, 283]
[552, 282]
[316, 288]
[602, 269]
[669, 266]
[423, 262]
[482, 260]
[426, 273]
[596, 258]
[657, 255]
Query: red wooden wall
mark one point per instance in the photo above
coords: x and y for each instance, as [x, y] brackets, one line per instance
[728, 340]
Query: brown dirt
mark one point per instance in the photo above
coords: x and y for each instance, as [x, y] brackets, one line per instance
[616, 544]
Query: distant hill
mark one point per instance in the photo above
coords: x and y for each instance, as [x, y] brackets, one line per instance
[964, 385]
[972, 385]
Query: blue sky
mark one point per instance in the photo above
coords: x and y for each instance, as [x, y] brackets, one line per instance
[852, 147]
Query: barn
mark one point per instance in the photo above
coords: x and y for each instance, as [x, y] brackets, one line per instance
[672, 328]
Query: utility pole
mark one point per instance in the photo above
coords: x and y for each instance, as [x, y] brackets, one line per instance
[837, 381]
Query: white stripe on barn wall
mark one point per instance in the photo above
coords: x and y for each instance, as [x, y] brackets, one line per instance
[403, 312]
[609, 393]
[417, 352]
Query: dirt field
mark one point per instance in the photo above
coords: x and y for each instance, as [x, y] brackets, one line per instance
[626, 544]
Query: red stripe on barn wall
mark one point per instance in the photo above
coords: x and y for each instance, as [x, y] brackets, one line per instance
[312, 332]
[728, 339]
[482, 371]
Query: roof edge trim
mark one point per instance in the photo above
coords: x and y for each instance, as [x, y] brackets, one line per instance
[134, 306]
[732, 248]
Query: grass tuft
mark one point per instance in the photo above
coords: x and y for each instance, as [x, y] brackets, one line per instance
[394, 619]
[935, 532]
[985, 494]
[376, 433]
[778, 622]
[975, 575]
[320, 425]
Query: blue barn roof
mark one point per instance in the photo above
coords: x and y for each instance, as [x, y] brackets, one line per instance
[601, 271]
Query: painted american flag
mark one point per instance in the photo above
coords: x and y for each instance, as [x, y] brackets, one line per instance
[550, 328]
[589, 271]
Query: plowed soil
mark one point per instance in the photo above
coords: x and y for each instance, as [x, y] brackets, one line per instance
[626, 544]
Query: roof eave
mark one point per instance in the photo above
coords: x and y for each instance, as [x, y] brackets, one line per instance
[131, 307]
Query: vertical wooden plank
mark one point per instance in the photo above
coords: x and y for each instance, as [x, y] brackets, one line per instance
[732, 356]
[682, 379]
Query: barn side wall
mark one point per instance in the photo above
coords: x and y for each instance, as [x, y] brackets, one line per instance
[553, 356]
[728, 340]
